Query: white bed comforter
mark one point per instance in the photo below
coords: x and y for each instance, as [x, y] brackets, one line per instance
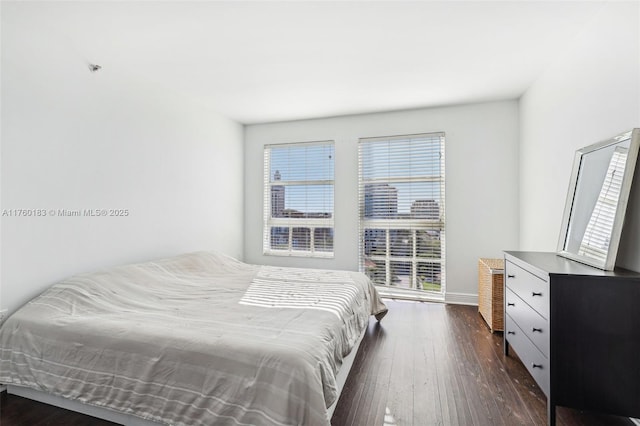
[197, 339]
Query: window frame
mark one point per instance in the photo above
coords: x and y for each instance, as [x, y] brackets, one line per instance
[291, 223]
[412, 225]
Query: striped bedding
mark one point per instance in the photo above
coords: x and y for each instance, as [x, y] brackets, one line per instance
[197, 339]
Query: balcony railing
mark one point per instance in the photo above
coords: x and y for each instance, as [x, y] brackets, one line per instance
[404, 254]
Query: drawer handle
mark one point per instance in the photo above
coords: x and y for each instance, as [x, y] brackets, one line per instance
[533, 293]
[534, 365]
[538, 330]
[511, 276]
[511, 332]
[511, 304]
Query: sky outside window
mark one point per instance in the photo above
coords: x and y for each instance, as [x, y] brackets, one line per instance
[389, 161]
[305, 164]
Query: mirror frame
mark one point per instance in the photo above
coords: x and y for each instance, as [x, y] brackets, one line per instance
[627, 179]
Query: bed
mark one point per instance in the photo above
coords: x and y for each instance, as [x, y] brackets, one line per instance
[197, 339]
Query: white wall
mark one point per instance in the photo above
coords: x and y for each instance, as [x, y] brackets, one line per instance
[76, 140]
[481, 183]
[588, 94]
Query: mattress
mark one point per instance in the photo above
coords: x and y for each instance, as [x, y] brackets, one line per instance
[197, 339]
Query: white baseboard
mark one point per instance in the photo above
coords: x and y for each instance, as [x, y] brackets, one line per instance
[3, 388]
[461, 298]
[453, 298]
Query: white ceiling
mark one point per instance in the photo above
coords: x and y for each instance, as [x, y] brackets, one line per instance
[272, 61]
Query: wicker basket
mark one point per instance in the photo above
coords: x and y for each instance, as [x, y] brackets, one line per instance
[491, 292]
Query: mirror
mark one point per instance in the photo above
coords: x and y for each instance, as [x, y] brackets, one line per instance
[597, 200]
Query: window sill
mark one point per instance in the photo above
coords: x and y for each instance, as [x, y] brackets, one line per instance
[294, 253]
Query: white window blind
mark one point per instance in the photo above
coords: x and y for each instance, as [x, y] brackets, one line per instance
[298, 199]
[402, 193]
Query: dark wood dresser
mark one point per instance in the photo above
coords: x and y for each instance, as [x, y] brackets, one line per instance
[576, 329]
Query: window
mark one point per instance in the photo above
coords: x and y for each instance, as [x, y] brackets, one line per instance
[401, 186]
[298, 199]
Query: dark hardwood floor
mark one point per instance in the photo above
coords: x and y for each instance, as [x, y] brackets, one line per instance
[425, 364]
[434, 364]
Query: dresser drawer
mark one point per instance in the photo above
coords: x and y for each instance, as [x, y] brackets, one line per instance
[535, 327]
[533, 290]
[537, 364]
